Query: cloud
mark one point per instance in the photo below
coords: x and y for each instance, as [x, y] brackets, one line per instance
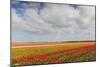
[55, 19]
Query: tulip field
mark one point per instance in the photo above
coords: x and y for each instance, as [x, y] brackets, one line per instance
[60, 53]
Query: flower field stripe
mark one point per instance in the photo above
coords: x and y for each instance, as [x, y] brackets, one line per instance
[54, 57]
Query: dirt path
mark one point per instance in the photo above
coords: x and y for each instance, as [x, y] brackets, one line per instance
[34, 46]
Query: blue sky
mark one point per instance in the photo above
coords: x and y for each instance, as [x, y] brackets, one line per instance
[50, 22]
[40, 5]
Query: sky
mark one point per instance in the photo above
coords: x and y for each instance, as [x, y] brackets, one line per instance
[51, 22]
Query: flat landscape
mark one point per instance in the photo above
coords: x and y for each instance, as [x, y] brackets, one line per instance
[52, 52]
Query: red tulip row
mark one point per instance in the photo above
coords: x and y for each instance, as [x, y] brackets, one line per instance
[59, 56]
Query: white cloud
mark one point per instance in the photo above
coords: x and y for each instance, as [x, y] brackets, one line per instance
[57, 19]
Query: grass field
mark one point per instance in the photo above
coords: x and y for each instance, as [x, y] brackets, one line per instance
[50, 53]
